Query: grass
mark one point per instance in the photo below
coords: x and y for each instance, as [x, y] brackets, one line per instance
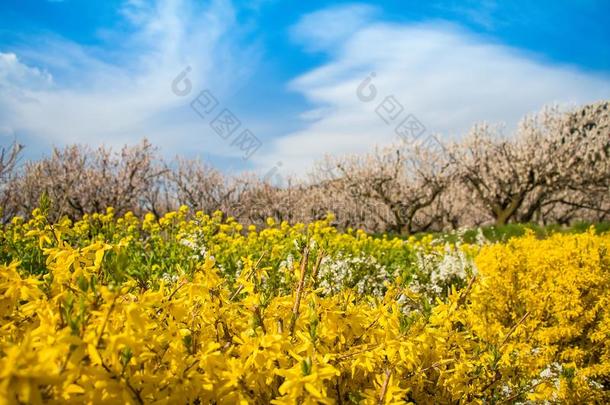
[505, 232]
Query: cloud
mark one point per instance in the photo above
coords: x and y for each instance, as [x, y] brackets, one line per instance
[57, 91]
[444, 76]
[328, 27]
[60, 91]
[478, 12]
[15, 76]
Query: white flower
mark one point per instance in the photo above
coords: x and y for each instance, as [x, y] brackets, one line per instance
[364, 274]
[436, 272]
[169, 278]
[195, 242]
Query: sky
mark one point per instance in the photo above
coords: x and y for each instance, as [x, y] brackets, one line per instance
[274, 86]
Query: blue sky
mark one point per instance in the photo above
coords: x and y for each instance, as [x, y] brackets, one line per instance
[101, 72]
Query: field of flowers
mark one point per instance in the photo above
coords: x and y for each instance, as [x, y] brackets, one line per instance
[194, 308]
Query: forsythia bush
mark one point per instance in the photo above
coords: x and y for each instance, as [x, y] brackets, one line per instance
[191, 308]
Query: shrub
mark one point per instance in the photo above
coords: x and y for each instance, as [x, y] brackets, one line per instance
[185, 309]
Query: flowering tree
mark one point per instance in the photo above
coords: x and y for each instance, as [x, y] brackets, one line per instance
[584, 135]
[202, 187]
[8, 160]
[555, 168]
[79, 180]
[553, 160]
[395, 184]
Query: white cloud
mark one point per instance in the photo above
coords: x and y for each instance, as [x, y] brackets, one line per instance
[479, 12]
[18, 75]
[122, 92]
[60, 91]
[328, 27]
[444, 76]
